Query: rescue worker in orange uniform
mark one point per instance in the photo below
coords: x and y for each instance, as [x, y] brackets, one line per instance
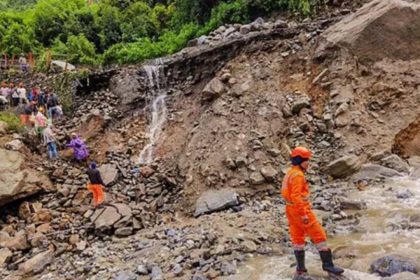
[96, 185]
[302, 221]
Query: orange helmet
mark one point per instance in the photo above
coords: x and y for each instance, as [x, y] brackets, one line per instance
[301, 152]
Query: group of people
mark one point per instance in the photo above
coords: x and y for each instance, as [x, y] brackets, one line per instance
[15, 95]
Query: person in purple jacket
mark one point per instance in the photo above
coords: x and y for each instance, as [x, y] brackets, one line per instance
[80, 150]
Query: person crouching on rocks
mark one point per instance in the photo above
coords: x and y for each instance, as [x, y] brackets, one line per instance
[302, 220]
[96, 185]
[80, 151]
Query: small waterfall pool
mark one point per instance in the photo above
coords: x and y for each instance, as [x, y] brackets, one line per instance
[390, 225]
[156, 107]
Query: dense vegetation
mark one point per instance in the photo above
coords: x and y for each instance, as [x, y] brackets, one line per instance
[121, 31]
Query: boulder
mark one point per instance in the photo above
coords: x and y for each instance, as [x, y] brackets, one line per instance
[216, 200]
[202, 40]
[37, 263]
[299, 104]
[213, 89]
[347, 204]
[105, 218]
[5, 255]
[395, 162]
[374, 171]
[109, 173]
[269, 173]
[17, 243]
[390, 265]
[344, 167]
[256, 178]
[17, 182]
[372, 35]
[14, 145]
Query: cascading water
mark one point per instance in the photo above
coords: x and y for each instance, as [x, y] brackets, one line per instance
[156, 103]
[389, 226]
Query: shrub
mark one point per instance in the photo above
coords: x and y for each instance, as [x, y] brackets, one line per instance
[13, 122]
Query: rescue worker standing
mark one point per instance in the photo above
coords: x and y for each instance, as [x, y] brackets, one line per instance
[96, 186]
[302, 221]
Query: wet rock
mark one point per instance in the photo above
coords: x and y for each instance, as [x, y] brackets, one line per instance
[269, 173]
[16, 181]
[390, 265]
[395, 162]
[374, 171]
[348, 204]
[404, 194]
[105, 218]
[14, 145]
[213, 89]
[256, 178]
[5, 255]
[216, 200]
[109, 173]
[249, 246]
[37, 263]
[344, 167]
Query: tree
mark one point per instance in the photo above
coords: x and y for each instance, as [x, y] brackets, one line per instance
[138, 23]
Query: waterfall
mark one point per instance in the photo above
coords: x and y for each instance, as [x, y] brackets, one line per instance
[156, 104]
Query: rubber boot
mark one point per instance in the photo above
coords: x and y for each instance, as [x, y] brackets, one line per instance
[327, 263]
[300, 262]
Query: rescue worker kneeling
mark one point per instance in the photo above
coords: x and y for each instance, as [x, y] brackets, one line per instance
[302, 221]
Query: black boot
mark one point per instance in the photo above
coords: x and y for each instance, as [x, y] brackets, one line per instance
[300, 261]
[327, 263]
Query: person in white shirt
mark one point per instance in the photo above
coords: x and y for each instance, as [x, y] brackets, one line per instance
[22, 94]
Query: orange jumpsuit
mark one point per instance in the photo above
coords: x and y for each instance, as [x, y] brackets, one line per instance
[98, 193]
[295, 191]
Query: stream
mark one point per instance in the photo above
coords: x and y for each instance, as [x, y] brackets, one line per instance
[389, 226]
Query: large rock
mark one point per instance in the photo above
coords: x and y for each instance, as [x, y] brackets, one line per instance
[109, 173]
[344, 167]
[390, 265]
[17, 243]
[372, 33]
[216, 200]
[17, 182]
[213, 89]
[374, 171]
[37, 263]
[14, 145]
[5, 255]
[105, 218]
[269, 173]
[395, 162]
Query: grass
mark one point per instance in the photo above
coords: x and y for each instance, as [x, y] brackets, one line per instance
[12, 121]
